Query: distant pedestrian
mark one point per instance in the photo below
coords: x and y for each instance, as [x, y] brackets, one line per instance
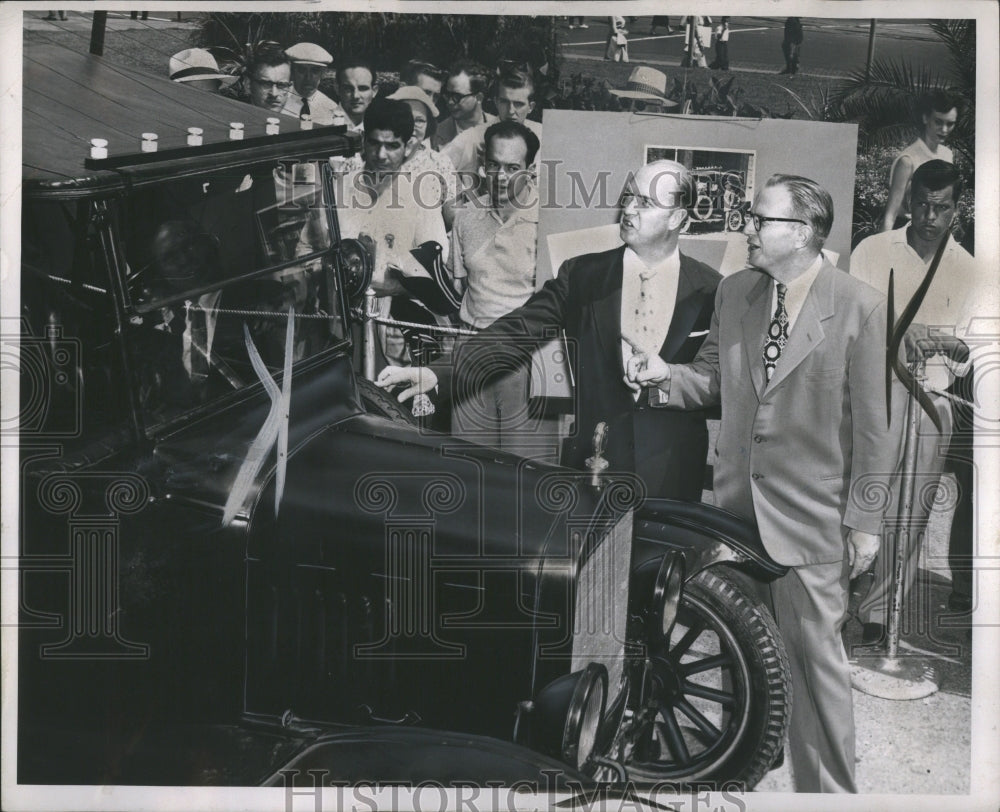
[791, 45]
[721, 46]
[617, 47]
[660, 22]
[697, 40]
[578, 22]
[52, 15]
[135, 15]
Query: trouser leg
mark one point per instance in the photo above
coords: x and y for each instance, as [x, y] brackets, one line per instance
[810, 604]
[874, 607]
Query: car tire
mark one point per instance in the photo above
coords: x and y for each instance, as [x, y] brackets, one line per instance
[724, 648]
[377, 401]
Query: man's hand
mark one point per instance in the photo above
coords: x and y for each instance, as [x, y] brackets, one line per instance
[861, 550]
[920, 342]
[643, 369]
[417, 380]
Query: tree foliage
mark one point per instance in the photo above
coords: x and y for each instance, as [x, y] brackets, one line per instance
[884, 102]
[390, 39]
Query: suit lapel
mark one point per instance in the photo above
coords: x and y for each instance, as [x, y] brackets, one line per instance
[807, 332]
[686, 310]
[607, 308]
[756, 318]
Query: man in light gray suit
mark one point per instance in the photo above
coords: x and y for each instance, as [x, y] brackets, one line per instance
[796, 356]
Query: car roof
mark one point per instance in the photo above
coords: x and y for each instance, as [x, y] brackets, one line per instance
[71, 97]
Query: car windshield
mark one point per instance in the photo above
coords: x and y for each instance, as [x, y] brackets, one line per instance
[215, 262]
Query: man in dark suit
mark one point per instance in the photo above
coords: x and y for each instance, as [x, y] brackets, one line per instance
[645, 290]
[796, 355]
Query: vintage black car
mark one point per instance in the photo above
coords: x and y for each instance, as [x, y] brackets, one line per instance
[240, 562]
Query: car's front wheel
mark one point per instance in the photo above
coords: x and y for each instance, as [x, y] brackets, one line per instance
[715, 695]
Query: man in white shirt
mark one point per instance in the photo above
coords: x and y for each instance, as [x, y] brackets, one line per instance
[515, 100]
[796, 357]
[645, 288]
[309, 64]
[382, 203]
[958, 292]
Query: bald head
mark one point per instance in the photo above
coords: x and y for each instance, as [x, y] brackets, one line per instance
[654, 208]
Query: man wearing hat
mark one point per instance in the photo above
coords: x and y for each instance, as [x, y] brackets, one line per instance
[309, 62]
[196, 67]
[647, 88]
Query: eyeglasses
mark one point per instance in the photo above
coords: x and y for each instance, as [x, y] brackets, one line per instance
[759, 219]
[455, 98]
[642, 202]
[282, 86]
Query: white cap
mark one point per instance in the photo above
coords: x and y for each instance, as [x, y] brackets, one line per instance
[308, 53]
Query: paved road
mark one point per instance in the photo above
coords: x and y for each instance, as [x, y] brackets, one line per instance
[831, 47]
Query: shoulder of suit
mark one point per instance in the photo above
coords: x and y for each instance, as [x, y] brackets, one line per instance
[850, 288]
[596, 261]
[703, 272]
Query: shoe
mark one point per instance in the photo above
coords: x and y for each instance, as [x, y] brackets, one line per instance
[583, 25]
[872, 634]
[960, 604]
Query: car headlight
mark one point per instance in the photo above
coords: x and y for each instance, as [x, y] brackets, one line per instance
[568, 714]
[665, 600]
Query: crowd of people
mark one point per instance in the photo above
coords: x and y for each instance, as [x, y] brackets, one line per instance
[792, 349]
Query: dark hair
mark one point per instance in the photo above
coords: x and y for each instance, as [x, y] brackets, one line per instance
[477, 74]
[267, 54]
[938, 100]
[514, 129]
[810, 200]
[515, 78]
[389, 114]
[357, 62]
[411, 70]
[937, 175]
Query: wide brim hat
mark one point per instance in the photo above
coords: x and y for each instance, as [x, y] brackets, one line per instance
[309, 53]
[194, 64]
[648, 84]
[414, 93]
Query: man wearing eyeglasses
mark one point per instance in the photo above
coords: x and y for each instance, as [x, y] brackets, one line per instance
[463, 94]
[796, 357]
[269, 77]
[645, 289]
[515, 100]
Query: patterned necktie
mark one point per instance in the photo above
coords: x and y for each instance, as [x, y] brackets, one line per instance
[305, 108]
[777, 334]
[647, 313]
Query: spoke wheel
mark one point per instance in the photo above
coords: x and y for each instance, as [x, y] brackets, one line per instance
[717, 693]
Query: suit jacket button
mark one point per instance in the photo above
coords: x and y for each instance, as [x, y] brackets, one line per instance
[756, 476]
[758, 439]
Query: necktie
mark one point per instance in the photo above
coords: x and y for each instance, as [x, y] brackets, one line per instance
[305, 108]
[777, 334]
[647, 313]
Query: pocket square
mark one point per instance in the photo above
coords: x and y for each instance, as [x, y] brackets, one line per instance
[698, 333]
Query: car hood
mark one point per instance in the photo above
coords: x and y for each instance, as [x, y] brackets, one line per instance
[353, 482]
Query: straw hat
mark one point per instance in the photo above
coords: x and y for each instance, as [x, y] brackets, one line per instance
[193, 64]
[413, 93]
[646, 83]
